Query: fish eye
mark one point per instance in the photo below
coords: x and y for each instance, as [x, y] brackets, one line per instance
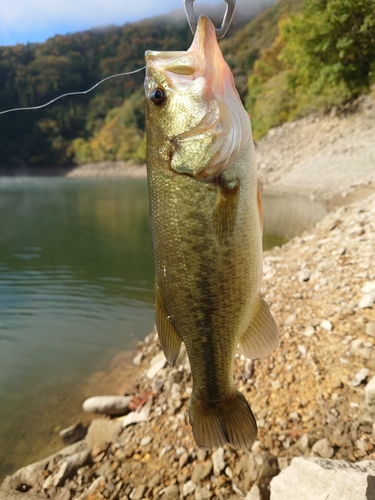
[157, 96]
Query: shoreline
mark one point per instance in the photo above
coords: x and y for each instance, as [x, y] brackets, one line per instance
[305, 396]
[104, 169]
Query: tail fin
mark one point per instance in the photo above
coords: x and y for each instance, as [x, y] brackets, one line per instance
[229, 421]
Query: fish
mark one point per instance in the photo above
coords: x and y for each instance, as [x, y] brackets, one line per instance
[206, 223]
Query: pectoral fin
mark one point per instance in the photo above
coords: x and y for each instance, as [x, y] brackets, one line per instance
[169, 339]
[262, 336]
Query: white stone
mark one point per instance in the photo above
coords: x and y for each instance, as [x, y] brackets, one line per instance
[137, 416]
[254, 493]
[368, 287]
[108, 405]
[309, 331]
[367, 301]
[218, 461]
[146, 440]
[157, 363]
[370, 394]
[326, 325]
[359, 377]
[188, 488]
[323, 448]
[321, 479]
[138, 358]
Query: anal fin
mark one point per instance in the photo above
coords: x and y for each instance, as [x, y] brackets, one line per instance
[169, 339]
[262, 336]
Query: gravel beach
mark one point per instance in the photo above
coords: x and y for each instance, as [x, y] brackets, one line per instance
[314, 398]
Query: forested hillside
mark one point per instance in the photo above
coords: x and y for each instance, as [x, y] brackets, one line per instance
[295, 57]
[109, 122]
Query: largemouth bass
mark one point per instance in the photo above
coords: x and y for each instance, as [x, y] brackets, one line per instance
[206, 223]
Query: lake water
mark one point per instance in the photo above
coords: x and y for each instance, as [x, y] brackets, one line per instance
[76, 287]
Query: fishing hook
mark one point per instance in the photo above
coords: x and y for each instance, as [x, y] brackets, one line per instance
[228, 16]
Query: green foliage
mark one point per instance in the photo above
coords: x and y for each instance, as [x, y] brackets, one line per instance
[323, 57]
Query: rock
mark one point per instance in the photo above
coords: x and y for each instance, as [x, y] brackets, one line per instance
[367, 301]
[254, 493]
[33, 474]
[137, 416]
[138, 359]
[202, 493]
[9, 494]
[305, 442]
[66, 469]
[370, 394]
[73, 434]
[188, 488]
[108, 405]
[102, 432]
[146, 440]
[368, 287]
[370, 329]
[317, 478]
[157, 363]
[359, 377]
[201, 471]
[309, 331]
[170, 492]
[323, 448]
[326, 325]
[137, 493]
[218, 461]
[63, 494]
[304, 275]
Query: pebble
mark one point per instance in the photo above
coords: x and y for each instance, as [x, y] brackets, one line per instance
[108, 405]
[188, 488]
[309, 331]
[218, 461]
[370, 329]
[370, 394]
[326, 325]
[359, 377]
[367, 301]
[323, 448]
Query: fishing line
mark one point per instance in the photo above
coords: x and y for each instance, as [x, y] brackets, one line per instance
[73, 93]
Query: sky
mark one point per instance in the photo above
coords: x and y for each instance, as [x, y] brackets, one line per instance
[23, 21]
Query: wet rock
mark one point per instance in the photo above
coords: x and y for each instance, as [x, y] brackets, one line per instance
[73, 434]
[218, 461]
[370, 394]
[315, 478]
[107, 405]
[323, 448]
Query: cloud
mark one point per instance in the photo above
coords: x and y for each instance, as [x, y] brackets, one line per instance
[27, 18]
